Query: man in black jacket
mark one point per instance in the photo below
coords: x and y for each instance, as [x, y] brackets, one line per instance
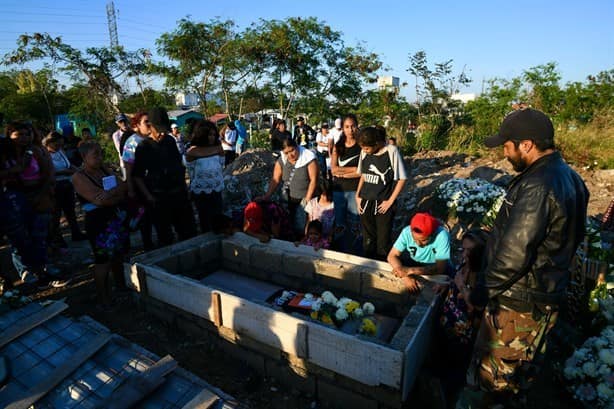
[534, 238]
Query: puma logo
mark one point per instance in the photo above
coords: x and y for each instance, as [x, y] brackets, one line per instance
[348, 160]
[374, 169]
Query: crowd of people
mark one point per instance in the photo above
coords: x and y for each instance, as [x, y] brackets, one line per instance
[339, 188]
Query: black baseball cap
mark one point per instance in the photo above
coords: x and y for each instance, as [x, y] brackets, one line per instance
[523, 124]
[159, 118]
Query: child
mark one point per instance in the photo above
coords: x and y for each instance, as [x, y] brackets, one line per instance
[382, 177]
[322, 208]
[314, 236]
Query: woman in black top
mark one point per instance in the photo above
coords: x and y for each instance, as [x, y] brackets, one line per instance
[344, 162]
[279, 134]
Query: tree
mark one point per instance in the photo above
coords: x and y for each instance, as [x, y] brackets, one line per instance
[305, 58]
[434, 89]
[147, 98]
[195, 53]
[99, 69]
[545, 92]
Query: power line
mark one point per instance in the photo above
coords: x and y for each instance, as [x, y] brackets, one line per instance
[20, 13]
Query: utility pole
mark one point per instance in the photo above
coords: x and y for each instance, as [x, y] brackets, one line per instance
[112, 23]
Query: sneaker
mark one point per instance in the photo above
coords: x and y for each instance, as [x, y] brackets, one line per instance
[59, 283]
[28, 277]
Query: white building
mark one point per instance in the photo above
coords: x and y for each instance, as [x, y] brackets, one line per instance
[388, 83]
[188, 99]
[464, 98]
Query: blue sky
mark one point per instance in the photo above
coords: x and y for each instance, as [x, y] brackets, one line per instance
[489, 38]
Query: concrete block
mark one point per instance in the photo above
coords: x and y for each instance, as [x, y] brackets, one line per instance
[170, 264]
[300, 266]
[236, 250]
[188, 260]
[289, 376]
[383, 286]
[338, 275]
[336, 397]
[210, 251]
[266, 258]
[258, 347]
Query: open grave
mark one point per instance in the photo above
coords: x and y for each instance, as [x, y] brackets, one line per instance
[224, 289]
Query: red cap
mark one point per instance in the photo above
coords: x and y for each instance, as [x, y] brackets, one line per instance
[424, 223]
[253, 216]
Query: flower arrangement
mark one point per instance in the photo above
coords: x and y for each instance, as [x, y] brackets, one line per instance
[331, 310]
[598, 249]
[471, 200]
[112, 241]
[590, 371]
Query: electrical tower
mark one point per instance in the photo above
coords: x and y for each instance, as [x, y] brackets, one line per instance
[112, 22]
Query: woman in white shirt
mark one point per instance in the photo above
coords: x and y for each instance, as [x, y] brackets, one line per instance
[205, 159]
[64, 192]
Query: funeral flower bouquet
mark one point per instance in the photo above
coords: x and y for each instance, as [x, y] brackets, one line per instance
[590, 371]
[471, 200]
[331, 310]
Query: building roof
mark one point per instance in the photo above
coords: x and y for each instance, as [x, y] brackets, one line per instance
[180, 112]
[217, 117]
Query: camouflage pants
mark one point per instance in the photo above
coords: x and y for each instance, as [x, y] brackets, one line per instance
[508, 350]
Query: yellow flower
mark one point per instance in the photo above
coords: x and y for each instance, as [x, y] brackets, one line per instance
[326, 319]
[314, 315]
[351, 306]
[368, 327]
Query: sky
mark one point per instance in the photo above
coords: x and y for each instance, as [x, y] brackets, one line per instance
[488, 39]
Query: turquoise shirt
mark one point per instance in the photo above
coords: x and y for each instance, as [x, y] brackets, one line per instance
[437, 249]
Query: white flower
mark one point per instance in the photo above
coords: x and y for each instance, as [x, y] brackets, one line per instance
[308, 296]
[460, 208]
[604, 391]
[341, 314]
[316, 305]
[357, 313]
[607, 356]
[368, 308]
[343, 302]
[329, 298]
[590, 369]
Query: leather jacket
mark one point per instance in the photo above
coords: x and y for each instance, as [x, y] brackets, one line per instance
[535, 235]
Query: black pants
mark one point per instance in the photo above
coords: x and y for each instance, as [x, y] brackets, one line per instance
[64, 202]
[172, 211]
[209, 206]
[376, 230]
[229, 156]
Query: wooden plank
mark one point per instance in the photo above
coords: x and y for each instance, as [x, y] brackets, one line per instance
[58, 374]
[29, 322]
[138, 386]
[217, 309]
[204, 400]
[365, 361]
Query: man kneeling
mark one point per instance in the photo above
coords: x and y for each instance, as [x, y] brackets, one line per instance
[428, 245]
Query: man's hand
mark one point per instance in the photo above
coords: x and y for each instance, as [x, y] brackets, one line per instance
[412, 284]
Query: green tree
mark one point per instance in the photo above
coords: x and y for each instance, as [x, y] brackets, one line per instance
[99, 69]
[545, 93]
[305, 58]
[194, 54]
[145, 99]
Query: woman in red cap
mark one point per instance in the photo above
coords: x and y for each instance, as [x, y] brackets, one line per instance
[428, 245]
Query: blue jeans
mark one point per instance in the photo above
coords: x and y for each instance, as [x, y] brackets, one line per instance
[348, 235]
[26, 230]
